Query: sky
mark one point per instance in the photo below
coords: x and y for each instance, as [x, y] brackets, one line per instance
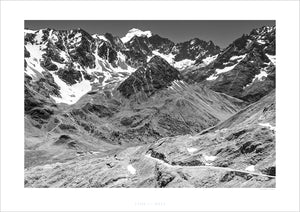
[221, 32]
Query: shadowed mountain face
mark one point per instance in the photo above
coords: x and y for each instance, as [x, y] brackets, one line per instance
[146, 112]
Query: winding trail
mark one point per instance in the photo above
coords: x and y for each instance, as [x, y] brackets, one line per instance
[208, 167]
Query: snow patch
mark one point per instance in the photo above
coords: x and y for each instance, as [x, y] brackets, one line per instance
[29, 31]
[212, 77]
[209, 158]
[209, 59]
[260, 76]
[239, 58]
[168, 57]
[182, 64]
[131, 169]
[250, 168]
[268, 125]
[148, 58]
[70, 94]
[225, 69]
[33, 62]
[39, 36]
[261, 42]
[191, 149]
[193, 42]
[272, 58]
[64, 55]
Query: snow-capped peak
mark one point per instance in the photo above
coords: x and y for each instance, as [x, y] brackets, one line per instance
[135, 32]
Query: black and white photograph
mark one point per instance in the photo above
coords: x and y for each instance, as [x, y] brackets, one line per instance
[150, 104]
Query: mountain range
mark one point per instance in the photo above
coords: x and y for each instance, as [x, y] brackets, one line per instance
[148, 112]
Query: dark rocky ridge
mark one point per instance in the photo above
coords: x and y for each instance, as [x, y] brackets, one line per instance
[157, 74]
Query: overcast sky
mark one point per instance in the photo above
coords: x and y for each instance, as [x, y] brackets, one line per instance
[221, 33]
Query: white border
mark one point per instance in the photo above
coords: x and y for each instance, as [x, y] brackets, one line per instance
[16, 198]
